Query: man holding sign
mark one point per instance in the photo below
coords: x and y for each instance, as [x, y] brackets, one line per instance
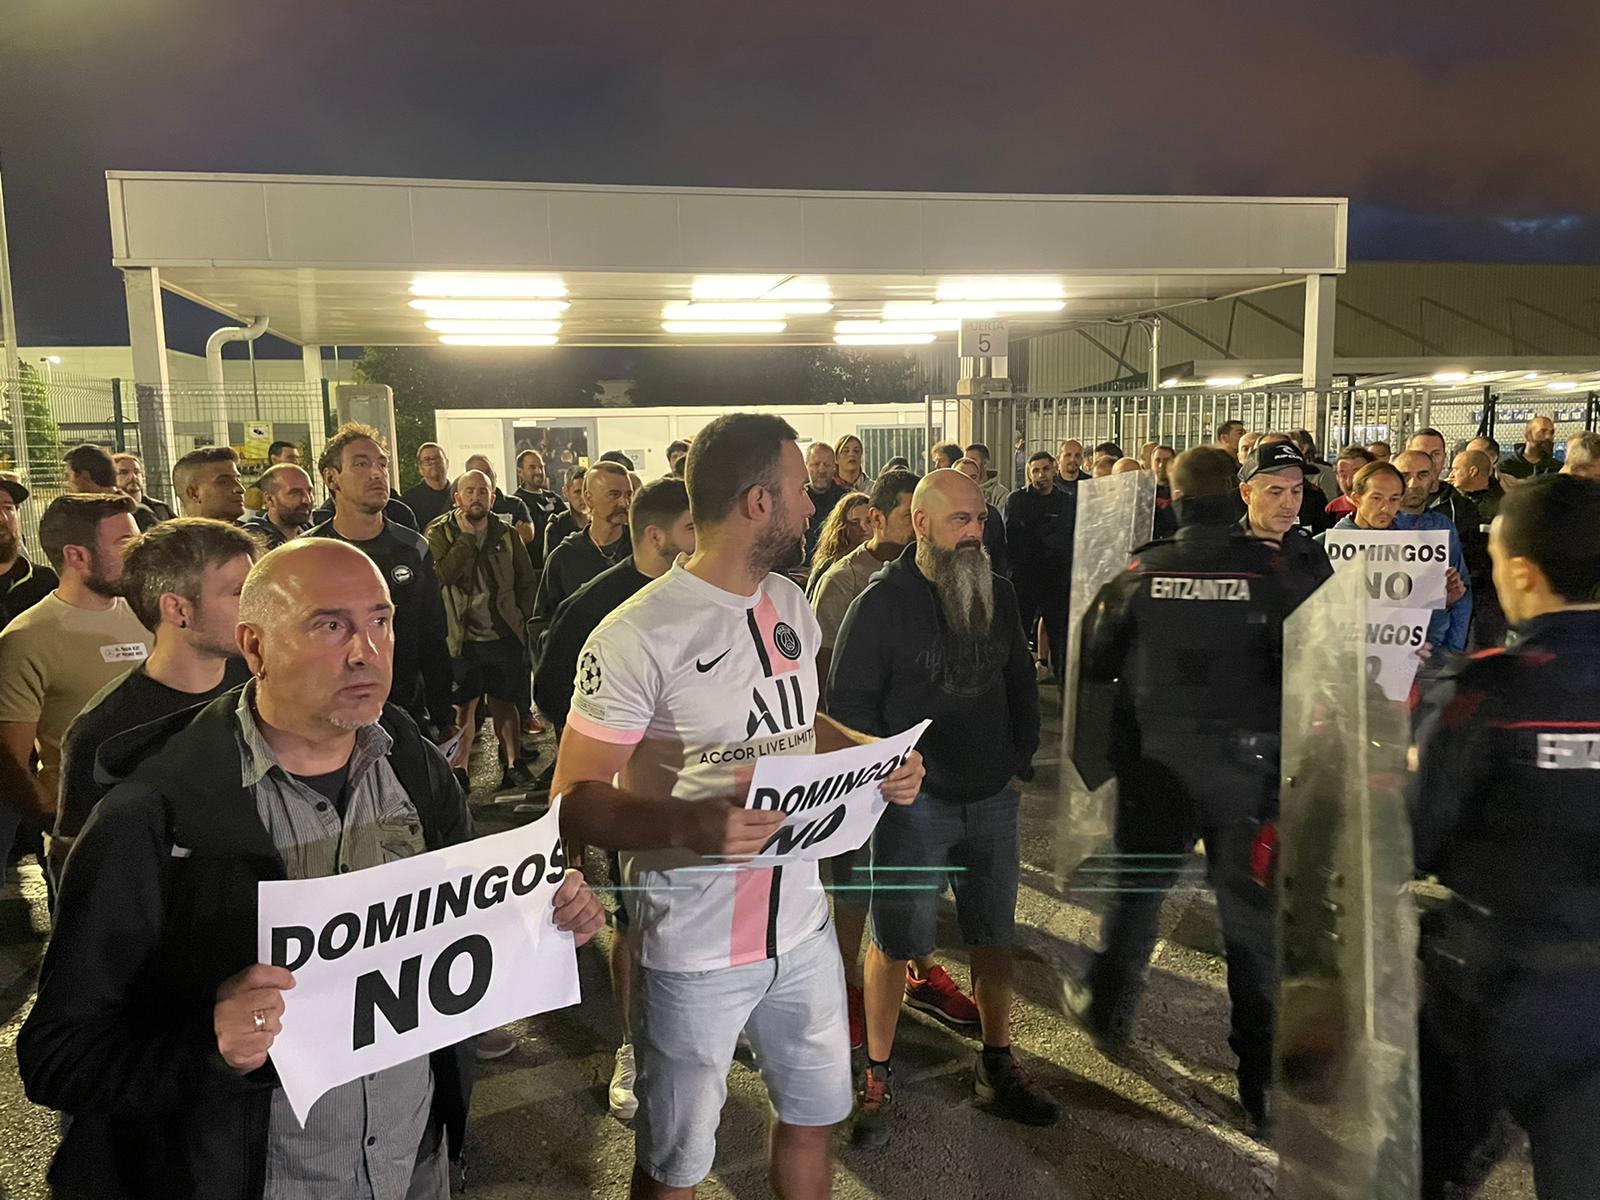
[936, 633]
[679, 692]
[155, 1022]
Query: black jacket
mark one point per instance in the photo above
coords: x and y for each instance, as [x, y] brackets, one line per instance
[1504, 802]
[1191, 637]
[23, 586]
[894, 664]
[1039, 531]
[120, 1036]
[397, 510]
[574, 621]
[571, 565]
[264, 529]
[426, 502]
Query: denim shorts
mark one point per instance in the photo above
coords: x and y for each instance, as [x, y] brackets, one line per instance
[918, 848]
[686, 1025]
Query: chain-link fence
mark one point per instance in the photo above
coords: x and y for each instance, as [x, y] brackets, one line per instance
[160, 425]
[1461, 415]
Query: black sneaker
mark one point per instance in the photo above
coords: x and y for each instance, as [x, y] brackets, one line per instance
[1109, 1037]
[512, 780]
[1010, 1089]
[871, 1127]
[1256, 1098]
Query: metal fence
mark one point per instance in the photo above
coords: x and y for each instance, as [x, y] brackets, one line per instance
[158, 424]
[1182, 419]
[1460, 415]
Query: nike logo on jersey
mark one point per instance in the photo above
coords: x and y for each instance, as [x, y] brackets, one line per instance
[703, 667]
[1179, 587]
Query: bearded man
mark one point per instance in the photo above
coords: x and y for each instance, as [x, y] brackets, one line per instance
[937, 634]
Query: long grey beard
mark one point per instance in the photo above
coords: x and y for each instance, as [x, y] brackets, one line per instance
[964, 581]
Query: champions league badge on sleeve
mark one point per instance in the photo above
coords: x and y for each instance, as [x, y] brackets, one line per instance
[589, 673]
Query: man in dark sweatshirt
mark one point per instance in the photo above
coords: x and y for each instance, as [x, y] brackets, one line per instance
[936, 634]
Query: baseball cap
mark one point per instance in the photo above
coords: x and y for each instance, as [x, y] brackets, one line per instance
[18, 492]
[1279, 456]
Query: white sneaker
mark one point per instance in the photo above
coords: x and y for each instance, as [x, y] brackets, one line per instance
[623, 1102]
[496, 1043]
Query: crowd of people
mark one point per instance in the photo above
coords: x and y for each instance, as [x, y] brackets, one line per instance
[199, 696]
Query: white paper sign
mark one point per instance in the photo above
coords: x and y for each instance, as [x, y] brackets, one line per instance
[1405, 568]
[1395, 637]
[397, 961]
[833, 800]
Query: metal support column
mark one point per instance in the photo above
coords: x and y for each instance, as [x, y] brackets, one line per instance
[1316, 369]
[147, 336]
[11, 366]
[316, 400]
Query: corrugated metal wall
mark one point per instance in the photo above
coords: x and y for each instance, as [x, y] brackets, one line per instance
[1386, 310]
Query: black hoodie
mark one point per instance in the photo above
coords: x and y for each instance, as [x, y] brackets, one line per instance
[158, 908]
[893, 665]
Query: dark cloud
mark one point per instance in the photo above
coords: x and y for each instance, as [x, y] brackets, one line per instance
[1460, 113]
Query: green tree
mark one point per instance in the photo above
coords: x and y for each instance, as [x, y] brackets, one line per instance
[44, 435]
[428, 378]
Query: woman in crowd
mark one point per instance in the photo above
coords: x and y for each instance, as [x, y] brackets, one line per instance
[850, 471]
[846, 528]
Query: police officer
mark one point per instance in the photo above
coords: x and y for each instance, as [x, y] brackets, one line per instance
[1506, 812]
[1192, 634]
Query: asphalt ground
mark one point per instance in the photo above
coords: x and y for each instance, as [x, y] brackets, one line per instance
[1162, 1125]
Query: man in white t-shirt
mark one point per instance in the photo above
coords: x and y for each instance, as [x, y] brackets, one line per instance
[678, 692]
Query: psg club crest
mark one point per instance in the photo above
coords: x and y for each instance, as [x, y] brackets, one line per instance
[787, 641]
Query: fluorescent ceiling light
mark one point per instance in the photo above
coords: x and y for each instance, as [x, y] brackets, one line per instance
[1026, 287]
[492, 310]
[494, 326]
[929, 326]
[723, 326]
[753, 311]
[1563, 385]
[883, 339]
[496, 284]
[733, 287]
[1224, 381]
[1450, 376]
[1172, 382]
[498, 339]
[1531, 375]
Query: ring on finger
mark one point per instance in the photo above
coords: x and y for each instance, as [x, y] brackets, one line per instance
[259, 1018]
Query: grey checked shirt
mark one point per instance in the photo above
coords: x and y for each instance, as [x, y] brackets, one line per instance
[361, 1139]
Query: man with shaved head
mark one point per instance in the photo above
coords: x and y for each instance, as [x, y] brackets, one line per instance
[1472, 477]
[937, 634]
[154, 1021]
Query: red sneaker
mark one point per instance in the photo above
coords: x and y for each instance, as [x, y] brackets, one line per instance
[858, 1016]
[939, 995]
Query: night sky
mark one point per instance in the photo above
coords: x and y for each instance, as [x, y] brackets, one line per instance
[1460, 129]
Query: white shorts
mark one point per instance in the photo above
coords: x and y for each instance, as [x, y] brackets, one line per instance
[686, 1025]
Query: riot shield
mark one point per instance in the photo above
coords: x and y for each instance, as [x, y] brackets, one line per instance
[1115, 516]
[1346, 1079]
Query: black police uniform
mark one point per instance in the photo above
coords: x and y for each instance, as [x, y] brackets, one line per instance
[1192, 632]
[1506, 811]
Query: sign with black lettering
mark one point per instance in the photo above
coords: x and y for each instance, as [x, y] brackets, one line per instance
[400, 960]
[1404, 568]
[832, 800]
[1395, 641]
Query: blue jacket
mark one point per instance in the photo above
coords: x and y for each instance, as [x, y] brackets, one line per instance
[1447, 628]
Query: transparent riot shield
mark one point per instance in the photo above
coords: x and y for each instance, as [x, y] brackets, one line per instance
[1346, 1080]
[1115, 516]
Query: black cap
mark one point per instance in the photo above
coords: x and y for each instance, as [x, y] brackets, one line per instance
[1278, 456]
[18, 492]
